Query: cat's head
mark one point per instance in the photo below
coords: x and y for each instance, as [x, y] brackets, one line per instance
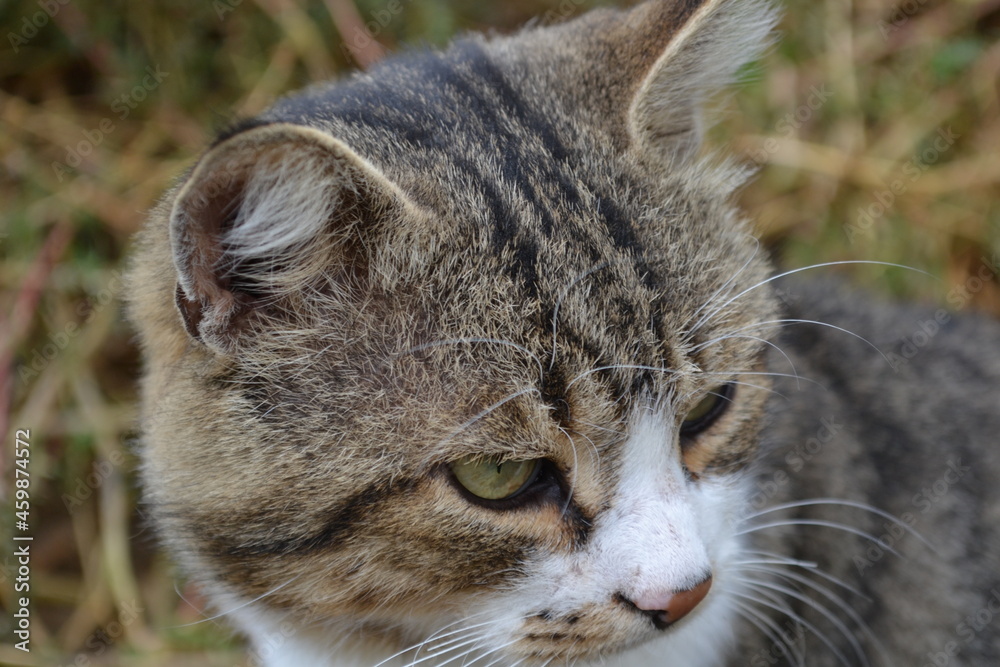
[468, 344]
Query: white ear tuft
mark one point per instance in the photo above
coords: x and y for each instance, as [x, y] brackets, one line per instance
[264, 214]
[285, 206]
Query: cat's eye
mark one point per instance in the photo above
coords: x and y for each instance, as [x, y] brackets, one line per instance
[493, 478]
[707, 410]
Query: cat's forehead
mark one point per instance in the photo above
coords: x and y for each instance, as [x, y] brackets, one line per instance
[541, 255]
[508, 158]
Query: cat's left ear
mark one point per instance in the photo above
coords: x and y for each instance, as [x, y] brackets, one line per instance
[715, 39]
[267, 217]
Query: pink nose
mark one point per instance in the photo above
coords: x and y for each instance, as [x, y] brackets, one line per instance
[667, 608]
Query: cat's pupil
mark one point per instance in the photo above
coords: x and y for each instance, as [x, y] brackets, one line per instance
[707, 410]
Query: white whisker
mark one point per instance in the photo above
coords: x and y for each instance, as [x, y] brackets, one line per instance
[781, 572]
[821, 324]
[437, 653]
[825, 524]
[826, 613]
[734, 335]
[242, 606]
[729, 282]
[772, 631]
[847, 503]
[783, 608]
[716, 310]
[575, 469]
[488, 410]
[813, 568]
[440, 634]
[600, 428]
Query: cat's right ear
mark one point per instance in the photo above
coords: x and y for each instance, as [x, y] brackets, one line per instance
[264, 217]
[707, 41]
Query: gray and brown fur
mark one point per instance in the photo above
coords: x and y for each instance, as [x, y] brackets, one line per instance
[513, 236]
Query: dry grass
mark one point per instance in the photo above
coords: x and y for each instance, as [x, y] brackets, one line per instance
[91, 138]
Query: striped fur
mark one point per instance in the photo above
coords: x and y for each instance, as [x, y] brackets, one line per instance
[514, 248]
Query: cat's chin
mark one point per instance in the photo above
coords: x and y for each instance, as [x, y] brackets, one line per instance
[702, 640]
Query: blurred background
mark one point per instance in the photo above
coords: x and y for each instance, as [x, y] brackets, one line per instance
[874, 123]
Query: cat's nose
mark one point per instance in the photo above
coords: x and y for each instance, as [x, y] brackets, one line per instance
[667, 607]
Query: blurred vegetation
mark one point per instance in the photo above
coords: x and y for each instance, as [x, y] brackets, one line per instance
[104, 104]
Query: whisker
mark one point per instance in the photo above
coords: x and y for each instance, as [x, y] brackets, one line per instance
[834, 598]
[488, 410]
[825, 524]
[242, 606]
[798, 378]
[593, 446]
[777, 571]
[437, 653]
[771, 630]
[496, 649]
[449, 645]
[777, 559]
[714, 311]
[602, 428]
[848, 503]
[729, 282]
[742, 384]
[826, 613]
[572, 484]
[432, 638]
[823, 324]
[733, 335]
[809, 566]
[787, 611]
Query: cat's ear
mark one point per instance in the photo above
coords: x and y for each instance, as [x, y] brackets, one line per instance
[708, 42]
[266, 215]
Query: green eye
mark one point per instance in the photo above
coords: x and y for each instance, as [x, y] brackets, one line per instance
[707, 410]
[493, 479]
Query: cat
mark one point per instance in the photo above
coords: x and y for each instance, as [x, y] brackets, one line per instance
[470, 359]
